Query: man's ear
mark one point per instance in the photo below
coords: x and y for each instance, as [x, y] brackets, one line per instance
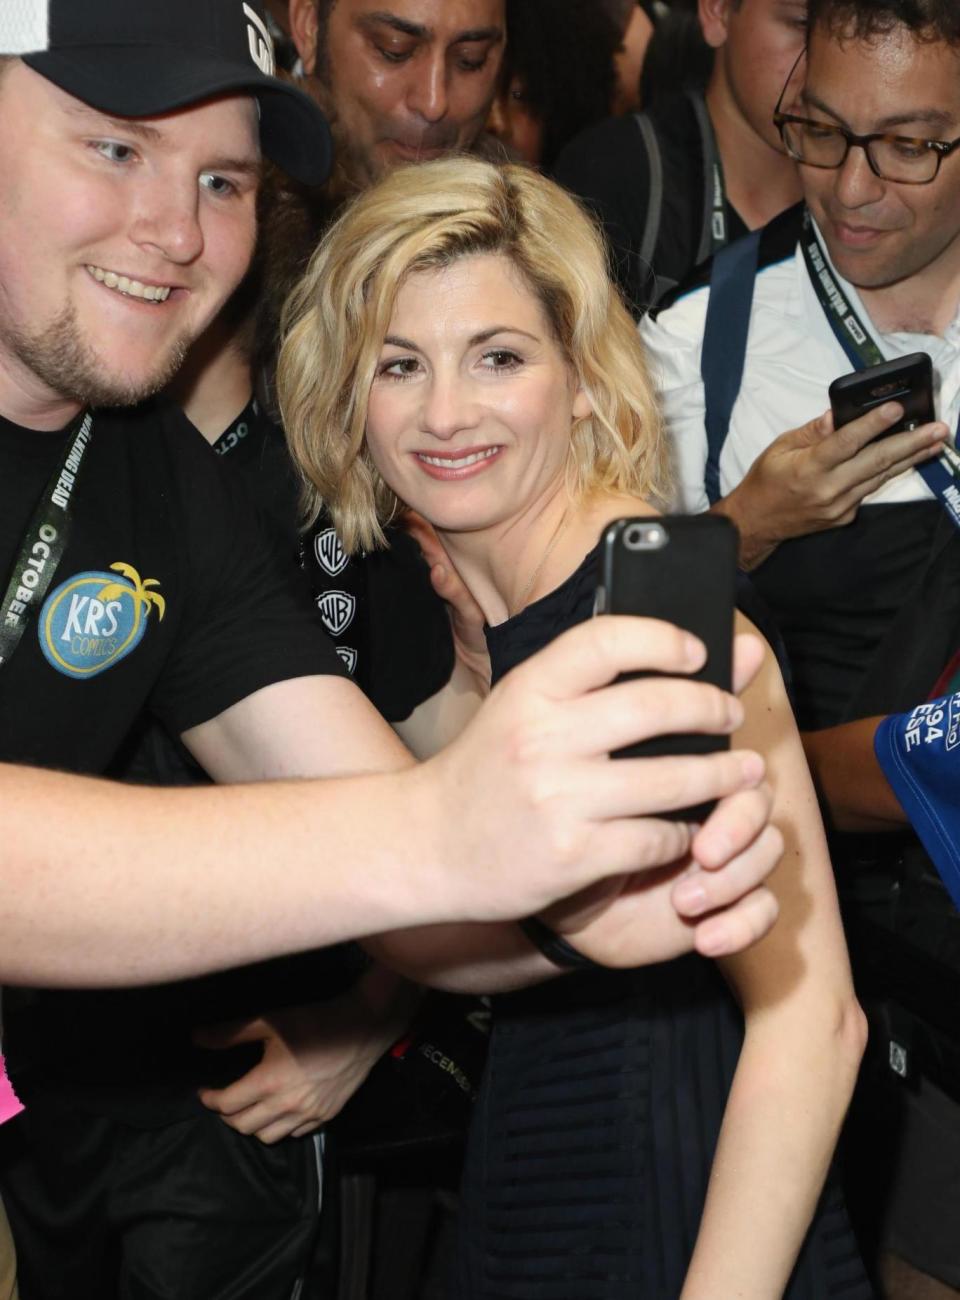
[303, 29]
[714, 18]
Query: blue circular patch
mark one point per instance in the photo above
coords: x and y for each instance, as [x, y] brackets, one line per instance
[93, 620]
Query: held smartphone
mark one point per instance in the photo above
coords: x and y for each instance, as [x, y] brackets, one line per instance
[908, 380]
[682, 569]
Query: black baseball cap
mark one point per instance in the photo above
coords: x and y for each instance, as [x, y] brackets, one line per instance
[140, 58]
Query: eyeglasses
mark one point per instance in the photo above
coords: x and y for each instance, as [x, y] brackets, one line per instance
[904, 159]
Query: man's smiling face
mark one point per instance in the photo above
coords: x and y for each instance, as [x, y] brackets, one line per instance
[119, 239]
[403, 80]
[878, 232]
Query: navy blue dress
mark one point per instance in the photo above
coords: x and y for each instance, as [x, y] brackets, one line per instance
[594, 1133]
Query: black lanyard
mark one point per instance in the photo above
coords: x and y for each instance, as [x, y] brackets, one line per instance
[718, 214]
[862, 351]
[231, 438]
[43, 545]
[714, 234]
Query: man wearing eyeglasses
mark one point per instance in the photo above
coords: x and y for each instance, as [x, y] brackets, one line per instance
[853, 538]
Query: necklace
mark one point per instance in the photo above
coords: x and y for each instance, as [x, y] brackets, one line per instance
[564, 520]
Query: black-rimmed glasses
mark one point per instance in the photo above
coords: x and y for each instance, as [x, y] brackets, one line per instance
[904, 159]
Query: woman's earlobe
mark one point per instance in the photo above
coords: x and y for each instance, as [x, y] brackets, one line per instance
[582, 406]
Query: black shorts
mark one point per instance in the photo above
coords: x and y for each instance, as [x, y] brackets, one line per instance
[103, 1210]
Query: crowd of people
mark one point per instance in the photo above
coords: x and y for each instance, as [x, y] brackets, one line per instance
[333, 335]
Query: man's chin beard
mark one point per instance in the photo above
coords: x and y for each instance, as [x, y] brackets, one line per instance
[354, 169]
[61, 359]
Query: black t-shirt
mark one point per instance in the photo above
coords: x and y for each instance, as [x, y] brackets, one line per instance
[232, 616]
[169, 595]
[390, 628]
[607, 166]
[129, 1053]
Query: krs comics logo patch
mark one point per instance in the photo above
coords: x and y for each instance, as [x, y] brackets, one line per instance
[95, 619]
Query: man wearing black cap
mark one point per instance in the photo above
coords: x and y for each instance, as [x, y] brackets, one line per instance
[126, 218]
[88, 286]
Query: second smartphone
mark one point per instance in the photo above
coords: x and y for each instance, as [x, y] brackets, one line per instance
[907, 380]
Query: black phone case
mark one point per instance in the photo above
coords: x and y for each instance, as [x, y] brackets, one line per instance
[689, 580]
[907, 380]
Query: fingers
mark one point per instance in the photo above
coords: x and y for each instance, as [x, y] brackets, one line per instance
[424, 534]
[235, 1098]
[636, 711]
[889, 469]
[732, 827]
[231, 1034]
[700, 892]
[810, 434]
[285, 1128]
[854, 436]
[594, 653]
[269, 1118]
[642, 787]
[749, 650]
[739, 926]
[266, 1124]
[854, 442]
[629, 846]
[468, 616]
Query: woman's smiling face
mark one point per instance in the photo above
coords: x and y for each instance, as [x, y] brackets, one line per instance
[473, 400]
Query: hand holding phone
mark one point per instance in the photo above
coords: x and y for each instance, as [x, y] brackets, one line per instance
[682, 569]
[907, 380]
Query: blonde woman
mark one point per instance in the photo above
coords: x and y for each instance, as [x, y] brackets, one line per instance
[456, 347]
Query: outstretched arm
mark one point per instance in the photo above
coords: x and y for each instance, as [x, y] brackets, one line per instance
[708, 891]
[802, 1046]
[109, 884]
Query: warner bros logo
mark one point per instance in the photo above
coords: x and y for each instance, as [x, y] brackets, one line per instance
[330, 554]
[337, 609]
[349, 656]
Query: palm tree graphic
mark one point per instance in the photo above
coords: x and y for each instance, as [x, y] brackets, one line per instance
[143, 599]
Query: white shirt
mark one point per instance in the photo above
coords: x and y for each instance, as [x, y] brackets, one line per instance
[792, 357]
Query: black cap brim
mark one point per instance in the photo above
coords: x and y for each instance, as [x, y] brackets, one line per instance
[146, 81]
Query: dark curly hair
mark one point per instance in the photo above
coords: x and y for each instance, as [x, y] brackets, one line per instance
[562, 52]
[928, 20]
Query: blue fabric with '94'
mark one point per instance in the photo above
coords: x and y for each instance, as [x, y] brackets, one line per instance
[919, 753]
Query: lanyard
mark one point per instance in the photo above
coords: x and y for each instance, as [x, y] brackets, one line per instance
[718, 213]
[43, 545]
[862, 351]
[714, 233]
[231, 438]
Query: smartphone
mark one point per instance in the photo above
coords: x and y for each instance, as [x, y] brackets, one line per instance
[683, 569]
[908, 380]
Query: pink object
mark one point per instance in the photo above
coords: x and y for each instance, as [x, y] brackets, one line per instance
[10, 1103]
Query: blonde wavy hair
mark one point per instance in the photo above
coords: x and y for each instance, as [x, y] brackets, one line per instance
[422, 218]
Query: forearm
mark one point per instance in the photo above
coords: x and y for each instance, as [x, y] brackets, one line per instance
[849, 780]
[756, 544]
[779, 1131]
[476, 959]
[802, 1046]
[436, 721]
[109, 884]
